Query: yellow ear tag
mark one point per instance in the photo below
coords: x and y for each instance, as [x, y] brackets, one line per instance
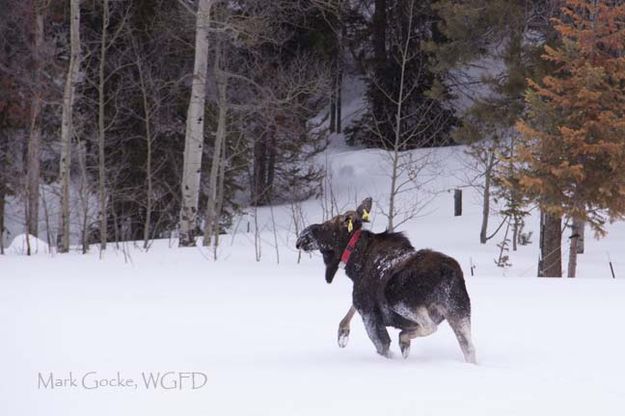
[365, 215]
[350, 226]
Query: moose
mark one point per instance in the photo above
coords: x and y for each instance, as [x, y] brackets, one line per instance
[394, 284]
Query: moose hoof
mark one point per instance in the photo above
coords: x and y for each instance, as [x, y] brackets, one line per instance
[405, 349]
[470, 358]
[343, 337]
[386, 353]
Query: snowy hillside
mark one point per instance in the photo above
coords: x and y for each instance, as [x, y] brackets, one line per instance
[260, 336]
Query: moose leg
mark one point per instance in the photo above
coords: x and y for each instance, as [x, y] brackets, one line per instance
[426, 326]
[462, 329]
[377, 333]
[343, 335]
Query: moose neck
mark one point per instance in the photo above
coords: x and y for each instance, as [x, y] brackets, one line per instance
[355, 260]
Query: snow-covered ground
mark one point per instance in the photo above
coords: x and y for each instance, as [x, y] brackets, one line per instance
[261, 336]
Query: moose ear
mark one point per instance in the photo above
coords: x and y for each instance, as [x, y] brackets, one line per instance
[364, 209]
[352, 220]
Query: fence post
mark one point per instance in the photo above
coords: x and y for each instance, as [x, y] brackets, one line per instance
[457, 202]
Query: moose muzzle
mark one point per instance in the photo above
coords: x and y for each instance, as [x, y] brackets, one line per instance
[306, 240]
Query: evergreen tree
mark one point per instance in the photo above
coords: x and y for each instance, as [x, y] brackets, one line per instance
[425, 121]
[491, 48]
[572, 147]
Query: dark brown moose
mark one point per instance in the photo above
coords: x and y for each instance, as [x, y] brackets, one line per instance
[394, 285]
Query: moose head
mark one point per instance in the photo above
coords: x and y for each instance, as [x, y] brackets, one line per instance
[332, 236]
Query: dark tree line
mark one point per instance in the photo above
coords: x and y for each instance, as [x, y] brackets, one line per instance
[392, 53]
[131, 120]
[129, 113]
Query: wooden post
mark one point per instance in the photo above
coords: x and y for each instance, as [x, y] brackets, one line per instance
[457, 202]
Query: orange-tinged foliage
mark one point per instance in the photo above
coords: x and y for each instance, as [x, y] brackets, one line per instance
[572, 150]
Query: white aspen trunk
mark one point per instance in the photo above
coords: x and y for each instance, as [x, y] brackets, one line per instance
[194, 135]
[67, 124]
[34, 138]
[572, 266]
[212, 216]
[577, 239]
[581, 229]
[102, 129]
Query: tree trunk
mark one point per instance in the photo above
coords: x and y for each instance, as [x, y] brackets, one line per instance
[84, 196]
[333, 108]
[2, 198]
[339, 93]
[212, 216]
[147, 120]
[486, 199]
[551, 253]
[34, 138]
[259, 169]
[341, 66]
[379, 52]
[541, 245]
[271, 167]
[391, 200]
[115, 225]
[265, 152]
[485, 207]
[520, 239]
[67, 127]
[573, 248]
[102, 130]
[194, 135]
[220, 200]
[581, 229]
[398, 124]
[3, 185]
[46, 215]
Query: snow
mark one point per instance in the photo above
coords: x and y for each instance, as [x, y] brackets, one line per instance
[49, 213]
[20, 244]
[265, 338]
[264, 334]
